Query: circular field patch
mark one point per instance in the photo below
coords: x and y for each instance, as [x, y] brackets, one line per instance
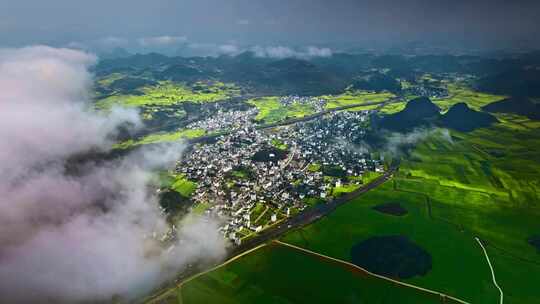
[394, 256]
[391, 208]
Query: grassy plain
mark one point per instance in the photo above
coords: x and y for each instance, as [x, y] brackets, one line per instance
[452, 251]
[488, 183]
[278, 274]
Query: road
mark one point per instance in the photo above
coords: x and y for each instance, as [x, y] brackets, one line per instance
[310, 215]
[296, 120]
[302, 219]
[441, 295]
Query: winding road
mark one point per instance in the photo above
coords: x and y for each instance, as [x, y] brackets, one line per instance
[492, 270]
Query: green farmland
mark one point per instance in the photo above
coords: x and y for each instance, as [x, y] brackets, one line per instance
[168, 93]
[487, 183]
[459, 93]
[484, 183]
[271, 110]
[279, 274]
[356, 97]
[356, 221]
[161, 137]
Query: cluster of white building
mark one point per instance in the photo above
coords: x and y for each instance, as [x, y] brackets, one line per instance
[253, 178]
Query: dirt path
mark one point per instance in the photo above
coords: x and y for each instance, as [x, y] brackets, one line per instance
[442, 296]
[165, 294]
[492, 270]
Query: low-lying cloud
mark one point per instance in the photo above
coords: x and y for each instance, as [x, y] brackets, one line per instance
[286, 52]
[161, 41]
[87, 236]
[274, 52]
[181, 45]
[397, 143]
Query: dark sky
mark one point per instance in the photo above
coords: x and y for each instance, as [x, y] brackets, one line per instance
[277, 22]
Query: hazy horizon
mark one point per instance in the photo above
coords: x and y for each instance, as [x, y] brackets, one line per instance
[205, 26]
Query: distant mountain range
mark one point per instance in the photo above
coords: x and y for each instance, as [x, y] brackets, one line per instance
[514, 76]
[516, 82]
[517, 105]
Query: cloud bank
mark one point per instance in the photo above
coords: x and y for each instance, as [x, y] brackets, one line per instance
[181, 45]
[87, 236]
[160, 41]
[286, 52]
[274, 52]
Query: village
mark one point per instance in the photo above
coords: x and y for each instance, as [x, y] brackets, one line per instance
[253, 178]
[316, 102]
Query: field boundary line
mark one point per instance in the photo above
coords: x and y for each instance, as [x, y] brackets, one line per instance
[461, 228]
[492, 270]
[179, 285]
[307, 251]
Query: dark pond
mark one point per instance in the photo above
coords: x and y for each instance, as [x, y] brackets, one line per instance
[394, 256]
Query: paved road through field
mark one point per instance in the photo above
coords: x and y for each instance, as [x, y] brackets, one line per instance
[302, 219]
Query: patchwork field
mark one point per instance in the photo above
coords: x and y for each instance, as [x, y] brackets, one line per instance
[487, 182]
[450, 190]
[350, 98]
[271, 110]
[167, 93]
[161, 137]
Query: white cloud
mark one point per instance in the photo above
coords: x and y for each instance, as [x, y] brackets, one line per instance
[161, 41]
[229, 49]
[286, 52]
[112, 42]
[82, 236]
[397, 142]
[313, 51]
